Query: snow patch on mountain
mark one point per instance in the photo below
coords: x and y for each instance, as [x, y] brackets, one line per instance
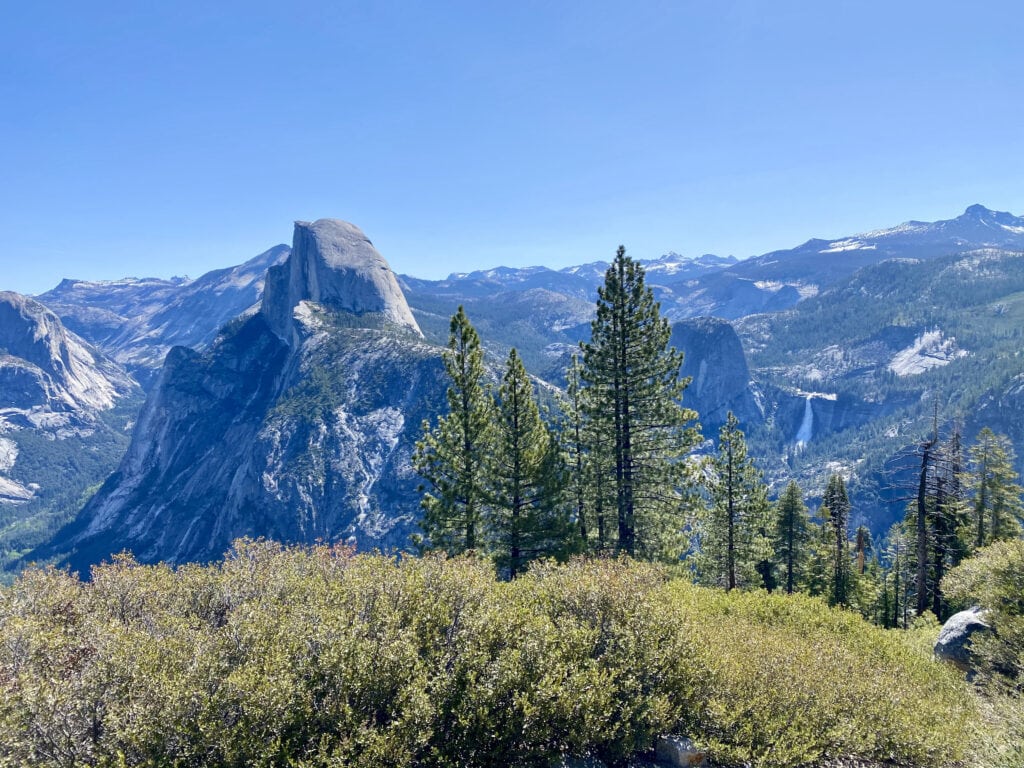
[850, 244]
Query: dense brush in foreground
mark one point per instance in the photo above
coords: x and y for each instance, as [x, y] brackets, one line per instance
[317, 657]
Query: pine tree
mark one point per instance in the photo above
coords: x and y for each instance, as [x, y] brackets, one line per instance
[733, 538]
[898, 578]
[819, 573]
[525, 477]
[451, 457]
[633, 404]
[996, 509]
[792, 533]
[838, 505]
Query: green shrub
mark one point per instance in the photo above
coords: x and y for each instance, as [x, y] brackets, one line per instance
[994, 578]
[318, 657]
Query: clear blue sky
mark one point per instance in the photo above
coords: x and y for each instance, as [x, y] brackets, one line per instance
[177, 137]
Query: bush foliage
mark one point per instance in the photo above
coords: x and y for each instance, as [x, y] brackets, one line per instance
[318, 657]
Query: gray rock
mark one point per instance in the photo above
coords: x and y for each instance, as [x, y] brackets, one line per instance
[678, 751]
[334, 264]
[954, 642]
[717, 367]
[137, 320]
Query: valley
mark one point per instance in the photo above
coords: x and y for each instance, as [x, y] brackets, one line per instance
[837, 355]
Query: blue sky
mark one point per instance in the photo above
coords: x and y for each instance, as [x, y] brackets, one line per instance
[174, 138]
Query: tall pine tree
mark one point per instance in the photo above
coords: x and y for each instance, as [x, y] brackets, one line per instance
[633, 404]
[838, 504]
[996, 509]
[733, 540]
[526, 478]
[792, 534]
[451, 457]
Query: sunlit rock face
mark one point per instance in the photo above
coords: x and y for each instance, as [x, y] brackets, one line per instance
[335, 265]
[298, 423]
[56, 434]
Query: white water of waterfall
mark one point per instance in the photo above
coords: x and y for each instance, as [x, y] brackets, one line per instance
[803, 435]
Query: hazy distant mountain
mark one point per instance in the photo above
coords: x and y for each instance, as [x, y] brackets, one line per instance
[724, 287]
[60, 426]
[136, 321]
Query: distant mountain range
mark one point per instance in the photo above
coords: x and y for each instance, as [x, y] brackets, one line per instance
[287, 407]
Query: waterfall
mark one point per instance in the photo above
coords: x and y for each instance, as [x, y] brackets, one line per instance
[803, 435]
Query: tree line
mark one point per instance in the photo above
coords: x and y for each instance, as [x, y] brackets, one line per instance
[620, 467]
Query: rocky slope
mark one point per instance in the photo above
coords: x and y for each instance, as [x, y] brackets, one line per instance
[298, 423]
[62, 422]
[136, 321]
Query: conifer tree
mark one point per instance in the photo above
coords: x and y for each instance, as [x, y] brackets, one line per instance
[526, 478]
[819, 573]
[733, 538]
[792, 533]
[996, 509]
[898, 582]
[633, 404]
[451, 457]
[838, 505]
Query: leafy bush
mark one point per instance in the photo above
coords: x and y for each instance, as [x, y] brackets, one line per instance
[994, 578]
[318, 657]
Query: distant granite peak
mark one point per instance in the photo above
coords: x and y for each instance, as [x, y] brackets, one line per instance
[334, 264]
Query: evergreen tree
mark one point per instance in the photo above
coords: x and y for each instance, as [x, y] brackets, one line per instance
[819, 573]
[589, 465]
[898, 582]
[838, 505]
[792, 533]
[451, 457]
[526, 478]
[733, 538]
[996, 509]
[633, 403]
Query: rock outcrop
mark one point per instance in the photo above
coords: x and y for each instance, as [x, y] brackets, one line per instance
[335, 265]
[720, 379]
[46, 368]
[298, 423]
[954, 642]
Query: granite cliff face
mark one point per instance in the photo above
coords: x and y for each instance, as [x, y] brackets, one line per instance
[61, 426]
[297, 424]
[717, 367]
[335, 265]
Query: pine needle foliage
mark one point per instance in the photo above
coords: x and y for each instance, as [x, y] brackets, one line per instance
[996, 509]
[526, 478]
[633, 402]
[734, 531]
[451, 457]
[792, 534]
[837, 502]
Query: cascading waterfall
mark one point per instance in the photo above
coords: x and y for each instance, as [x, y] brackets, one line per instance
[803, 435]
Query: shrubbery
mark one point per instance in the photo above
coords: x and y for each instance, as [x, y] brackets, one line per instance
[317, 657]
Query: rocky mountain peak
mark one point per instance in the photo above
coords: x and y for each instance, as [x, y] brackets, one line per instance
[977, 211]
[334, 264]
[42, 365]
